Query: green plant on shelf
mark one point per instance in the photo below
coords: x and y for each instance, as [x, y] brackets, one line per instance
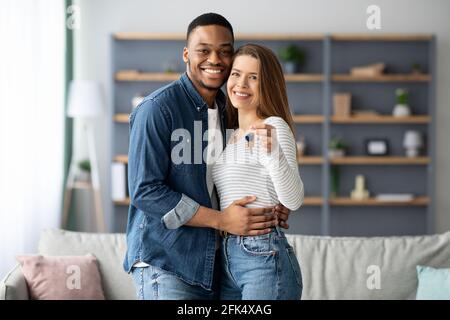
[416, 68]
[402, 96]
[85, 165]
[293, 58]
[336, 147]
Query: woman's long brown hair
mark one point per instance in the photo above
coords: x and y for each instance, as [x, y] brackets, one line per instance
[272, 87]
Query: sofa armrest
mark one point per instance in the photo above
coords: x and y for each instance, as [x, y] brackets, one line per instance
[14, 286]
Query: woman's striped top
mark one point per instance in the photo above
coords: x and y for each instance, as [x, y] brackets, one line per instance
[245, 169]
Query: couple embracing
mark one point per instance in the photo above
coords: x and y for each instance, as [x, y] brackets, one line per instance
[211, 227]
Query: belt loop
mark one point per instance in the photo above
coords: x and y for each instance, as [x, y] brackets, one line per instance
[279, 233]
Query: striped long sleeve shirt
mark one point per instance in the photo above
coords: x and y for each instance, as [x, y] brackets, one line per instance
[245, 168]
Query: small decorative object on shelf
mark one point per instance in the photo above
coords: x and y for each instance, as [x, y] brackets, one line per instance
[400, 197]
[171, 66]
[301, 146]
[342, 104]
[137, 99]
[377, 147]
[359, 193]
[371, 70]
[85, 170]
[412, 142]
[416, 68]
[401, 109]
[336, 147]
[293, 58]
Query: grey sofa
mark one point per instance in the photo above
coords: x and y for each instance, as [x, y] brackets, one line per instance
[332, 267]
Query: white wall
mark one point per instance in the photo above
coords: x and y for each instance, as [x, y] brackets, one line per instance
[100, 18]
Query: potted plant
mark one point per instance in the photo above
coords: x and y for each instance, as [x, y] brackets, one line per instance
[85, 170]
[293, 58]
[336, 147]
[416, 68]
[401, 109]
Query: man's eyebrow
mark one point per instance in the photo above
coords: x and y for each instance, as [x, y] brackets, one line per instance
[227, 44]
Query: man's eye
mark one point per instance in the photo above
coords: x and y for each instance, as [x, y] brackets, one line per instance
[203, 51]
[225, 53]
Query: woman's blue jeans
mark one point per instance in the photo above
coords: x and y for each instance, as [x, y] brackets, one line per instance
[259, 268]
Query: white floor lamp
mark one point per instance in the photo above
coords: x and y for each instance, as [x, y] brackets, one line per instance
[85, 102]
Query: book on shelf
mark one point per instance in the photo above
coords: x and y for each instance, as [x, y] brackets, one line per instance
[395, 197]
[119, 181]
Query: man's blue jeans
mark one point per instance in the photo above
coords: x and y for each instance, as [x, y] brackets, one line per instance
[153, 283]
[259, 268]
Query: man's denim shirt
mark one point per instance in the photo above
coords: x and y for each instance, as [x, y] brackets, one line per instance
[165, 195]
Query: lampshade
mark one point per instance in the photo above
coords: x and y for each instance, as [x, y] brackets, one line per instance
[412, 139]
[85, 99]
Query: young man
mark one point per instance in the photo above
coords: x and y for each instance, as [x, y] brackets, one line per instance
[173, 221]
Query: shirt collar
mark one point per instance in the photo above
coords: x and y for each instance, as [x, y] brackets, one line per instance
[197, 99]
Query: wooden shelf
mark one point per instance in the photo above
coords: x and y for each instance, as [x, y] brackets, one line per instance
[380, 119]
[304, 77]
[238, 36]
[122, 117]
[308, 201]
[301, 160]
[308, 118]
[281, 36]
[129, 75]
[382, 78]
[82, 185]
[379, 160]
[121, 158]
[419, 201]
[305, 119]
[380, 37]
[146, 76]
[313, 201]
[124, 202]
[309, 160]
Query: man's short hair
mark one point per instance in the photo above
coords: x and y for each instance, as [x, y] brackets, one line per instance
[208, 19]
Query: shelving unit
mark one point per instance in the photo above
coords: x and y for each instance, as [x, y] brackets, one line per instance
[329, 59]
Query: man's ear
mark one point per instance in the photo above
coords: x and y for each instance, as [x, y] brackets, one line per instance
[185, 55]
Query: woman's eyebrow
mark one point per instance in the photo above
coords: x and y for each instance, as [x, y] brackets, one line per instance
[255, 73]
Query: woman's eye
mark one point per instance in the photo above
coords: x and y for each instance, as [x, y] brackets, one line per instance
[253, 78]
[235, 74]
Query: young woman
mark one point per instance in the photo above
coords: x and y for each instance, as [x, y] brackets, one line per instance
[260, 160]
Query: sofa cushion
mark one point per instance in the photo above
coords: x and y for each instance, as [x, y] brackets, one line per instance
[434, 284]
[109, 250]
[62, 277]
[366, 268]
[13, 286]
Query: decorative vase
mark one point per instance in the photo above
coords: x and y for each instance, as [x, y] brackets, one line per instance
[336, 153]
[401, 110]
[290, 67]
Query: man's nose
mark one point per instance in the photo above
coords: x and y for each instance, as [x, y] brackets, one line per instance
[214, 58]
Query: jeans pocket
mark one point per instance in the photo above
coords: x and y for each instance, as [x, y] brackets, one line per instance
[258, 245]
[295, 265]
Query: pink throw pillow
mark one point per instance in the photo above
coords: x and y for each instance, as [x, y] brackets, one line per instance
[62, 277]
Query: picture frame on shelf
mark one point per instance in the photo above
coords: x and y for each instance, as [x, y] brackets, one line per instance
[376, 147]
